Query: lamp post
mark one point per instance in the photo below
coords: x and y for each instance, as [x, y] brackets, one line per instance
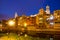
[25, 26]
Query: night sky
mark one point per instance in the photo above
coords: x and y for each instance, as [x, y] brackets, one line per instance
[27, 7]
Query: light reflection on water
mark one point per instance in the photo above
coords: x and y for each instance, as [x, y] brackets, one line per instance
[13, 36]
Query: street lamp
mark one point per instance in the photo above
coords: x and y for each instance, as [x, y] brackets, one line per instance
[25, 24]
[11, 23]
[26, 35]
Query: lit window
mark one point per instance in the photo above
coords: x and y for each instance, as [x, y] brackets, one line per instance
[51, 23]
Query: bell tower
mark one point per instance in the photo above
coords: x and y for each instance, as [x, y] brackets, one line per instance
[47, 9]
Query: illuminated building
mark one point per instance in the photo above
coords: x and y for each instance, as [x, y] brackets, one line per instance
[31, 20]
[43, 19]
[40, 18]
[51, 21]
[43, 22]
[20, 21]
[57, 18]
[4, 23]
[47, 15]
[57, 14]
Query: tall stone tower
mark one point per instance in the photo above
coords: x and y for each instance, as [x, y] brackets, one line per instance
[16, 15]
[47, 9]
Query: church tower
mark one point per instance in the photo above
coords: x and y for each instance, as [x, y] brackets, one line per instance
[16, 15]
[41, 11]
[47, 9]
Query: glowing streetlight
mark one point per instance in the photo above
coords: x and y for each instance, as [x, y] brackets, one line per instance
[11, 23]
[25, 24]
[26, 35]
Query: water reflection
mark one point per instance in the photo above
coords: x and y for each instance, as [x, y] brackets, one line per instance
[13, 36]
